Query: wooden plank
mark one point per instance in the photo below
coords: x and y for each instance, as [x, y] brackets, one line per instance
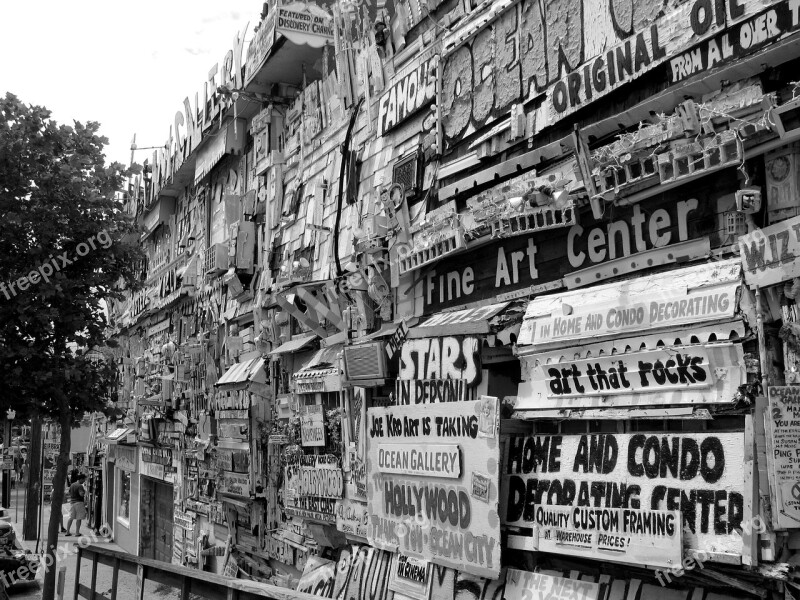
[736, 583]
[93, 579]
[140, 576]
[115, 579]
[86, 592]
[75, 593]
[749, 537]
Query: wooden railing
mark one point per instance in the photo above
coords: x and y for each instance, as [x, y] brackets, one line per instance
[186, 581]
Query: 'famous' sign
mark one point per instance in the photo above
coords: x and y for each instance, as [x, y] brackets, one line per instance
[697, 474]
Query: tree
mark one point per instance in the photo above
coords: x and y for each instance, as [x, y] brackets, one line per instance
[66, 247]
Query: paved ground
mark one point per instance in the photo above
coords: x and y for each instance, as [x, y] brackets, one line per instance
[67, 550]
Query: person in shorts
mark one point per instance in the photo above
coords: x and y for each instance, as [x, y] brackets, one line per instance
[77, 508]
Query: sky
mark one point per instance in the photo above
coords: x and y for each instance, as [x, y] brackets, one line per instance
[126, 65]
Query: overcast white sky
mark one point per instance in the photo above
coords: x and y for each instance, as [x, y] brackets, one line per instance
[128, 65]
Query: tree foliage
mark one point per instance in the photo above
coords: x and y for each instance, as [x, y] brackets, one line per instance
[66, 248]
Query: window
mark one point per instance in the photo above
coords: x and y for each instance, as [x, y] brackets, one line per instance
[124, 496]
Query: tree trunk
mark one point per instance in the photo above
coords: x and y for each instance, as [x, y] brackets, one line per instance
[56, 500]
[30, 528]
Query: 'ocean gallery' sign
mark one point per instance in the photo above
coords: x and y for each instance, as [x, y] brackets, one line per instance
[628, 485]
[423, 501]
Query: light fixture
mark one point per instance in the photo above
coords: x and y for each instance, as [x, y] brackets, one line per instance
[284, 268]
[295, 264]
[304, 263]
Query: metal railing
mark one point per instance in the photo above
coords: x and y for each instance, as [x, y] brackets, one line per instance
[186, 581]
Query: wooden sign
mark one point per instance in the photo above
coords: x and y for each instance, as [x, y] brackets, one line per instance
[318, 577]
[670, 375]
[436, 518]
[741, 40]
[647, 537]
[410, 91]
[571, 70]
[430, 460]
[525, 585]
[312, 426]
[698, 474]
[636, 314]
[633, 238]
[783, 455]
[770, 255]
[438, 369]
[357, 445]
[312, 486]
[305, 24]
[352, 518]
[237, 484]
[410, 576]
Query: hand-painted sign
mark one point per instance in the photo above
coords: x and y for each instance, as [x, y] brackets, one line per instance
[357, 445]
[672, 375]
[742, 39]
[525, 585]
[648, 537]
[306, 24]
[237, 484]
[409, 576]
[311, 487]
[772, 254]
[442, 369]
[318, 577]
[639, 314]
[435, 518]
[696, 474]
[352, 518]
[407, 94]
[434, 460]
[573, 52]
[635, 238]
[783, 429]
[312, 426]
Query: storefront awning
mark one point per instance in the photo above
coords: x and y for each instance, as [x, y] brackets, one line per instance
[459, 322]
[698, 296]
[321, 373]
[119, 435]
[296, 344]
[245, 372]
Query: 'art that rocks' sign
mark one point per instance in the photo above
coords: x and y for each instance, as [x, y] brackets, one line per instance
[698, 474]
[664, 376]
[423, 462]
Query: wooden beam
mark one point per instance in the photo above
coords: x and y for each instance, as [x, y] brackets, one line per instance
[749, 537]
[736, 583]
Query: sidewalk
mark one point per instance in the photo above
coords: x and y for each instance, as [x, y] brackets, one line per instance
[67, 548]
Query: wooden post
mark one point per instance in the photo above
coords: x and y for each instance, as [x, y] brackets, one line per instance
[115, 580]
[77, 572]
[60, 578]
[140, 575]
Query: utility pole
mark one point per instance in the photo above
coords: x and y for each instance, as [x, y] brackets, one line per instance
[30, 527]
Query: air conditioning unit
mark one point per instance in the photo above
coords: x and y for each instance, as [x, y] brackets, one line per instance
[216, 259]
[365, 361]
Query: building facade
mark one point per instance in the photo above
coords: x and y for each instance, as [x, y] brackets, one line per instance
[488, 298]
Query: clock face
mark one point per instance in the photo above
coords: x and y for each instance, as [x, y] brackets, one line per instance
[779, 168]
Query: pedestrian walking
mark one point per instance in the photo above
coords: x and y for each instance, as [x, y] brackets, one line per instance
[77, 509]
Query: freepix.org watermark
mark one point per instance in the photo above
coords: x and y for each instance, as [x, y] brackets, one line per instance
[54, 264]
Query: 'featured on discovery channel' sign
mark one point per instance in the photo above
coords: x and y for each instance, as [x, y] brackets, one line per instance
[566, 483]
[422, 501]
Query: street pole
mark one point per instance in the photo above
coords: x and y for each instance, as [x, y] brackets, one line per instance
[6, 454]
[30, 526]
